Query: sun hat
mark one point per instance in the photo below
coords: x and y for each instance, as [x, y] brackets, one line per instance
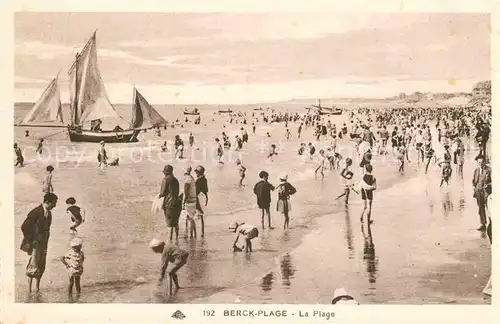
[284, 176]
[101, 142]
[339, 294]
[188, 169]
[154, 243]
[76, 242]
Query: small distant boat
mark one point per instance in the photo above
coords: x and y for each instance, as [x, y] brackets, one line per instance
[47, 111]
[226, 111]
[194, 112]
[321, 110]
[258, 109]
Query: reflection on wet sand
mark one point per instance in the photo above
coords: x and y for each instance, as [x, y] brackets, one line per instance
[287, 270]
[348, 232]
[267, 282]
[369, 257]
[447, 205]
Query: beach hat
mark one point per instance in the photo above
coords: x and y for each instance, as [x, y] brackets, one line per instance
[339, 294]
[154, 243]
[200, 169]
[101, 142]
[284, 176]
[188, 169]
[76, 242]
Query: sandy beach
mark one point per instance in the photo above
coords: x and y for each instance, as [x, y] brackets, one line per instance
[423, 241]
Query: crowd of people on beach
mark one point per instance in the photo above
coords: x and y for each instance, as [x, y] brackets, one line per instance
[442, 136]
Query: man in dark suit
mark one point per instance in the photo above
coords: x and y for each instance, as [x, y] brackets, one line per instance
[482, 188]
[36, 231]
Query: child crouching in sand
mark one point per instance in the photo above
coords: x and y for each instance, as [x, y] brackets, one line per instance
[169, 253]
[73, 260]
[76, 214]
[248, 232]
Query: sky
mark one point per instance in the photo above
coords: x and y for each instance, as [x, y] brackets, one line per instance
[224, 58]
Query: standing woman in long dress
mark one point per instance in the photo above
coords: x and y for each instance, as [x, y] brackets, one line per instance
[172, 203]
[285, 190]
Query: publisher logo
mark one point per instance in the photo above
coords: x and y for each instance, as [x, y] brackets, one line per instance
[178, 315]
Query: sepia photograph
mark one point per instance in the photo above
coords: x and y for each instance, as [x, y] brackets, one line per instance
[252, 158]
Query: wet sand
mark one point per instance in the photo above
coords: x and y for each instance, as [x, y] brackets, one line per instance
[423, 241]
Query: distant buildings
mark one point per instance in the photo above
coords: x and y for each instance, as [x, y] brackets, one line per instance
[482, 90]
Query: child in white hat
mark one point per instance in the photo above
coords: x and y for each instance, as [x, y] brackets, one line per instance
[285, 190]
[169, 253]
[73, 260]
[340, 296]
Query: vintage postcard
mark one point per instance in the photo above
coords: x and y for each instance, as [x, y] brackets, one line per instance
[226, 163]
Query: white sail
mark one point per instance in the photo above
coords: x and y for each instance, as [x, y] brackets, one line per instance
[48, 107]
[88, 94]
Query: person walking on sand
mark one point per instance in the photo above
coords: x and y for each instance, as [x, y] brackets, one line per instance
[19, 156]
[73, 260]
[481, 182]
[189, 202]
[172, 203]
[368, 184]
[76, 214]
[201, 190]
[169, 253]
[272, 152]
[191, 139]
[445, 166]
[36, 232]
[241, 170]
[346, 175]
[428, 152]
[262, 190]
[102, 156]
[248, 231]
[321, 165]
[285, 190]
[39, 149]
[47, 181]
[220, 151]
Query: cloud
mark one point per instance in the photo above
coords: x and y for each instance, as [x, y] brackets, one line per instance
[44, 51]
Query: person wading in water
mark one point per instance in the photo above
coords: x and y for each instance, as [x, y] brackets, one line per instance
[172, 203]
[36, 232]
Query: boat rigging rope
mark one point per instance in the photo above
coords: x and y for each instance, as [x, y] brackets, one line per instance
[59, 132]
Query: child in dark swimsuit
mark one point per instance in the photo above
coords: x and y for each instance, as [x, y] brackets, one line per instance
[368, 185]
[76, 213]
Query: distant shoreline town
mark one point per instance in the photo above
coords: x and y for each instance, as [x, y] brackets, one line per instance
[480, 94]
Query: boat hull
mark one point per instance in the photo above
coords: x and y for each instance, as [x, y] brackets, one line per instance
[128, 136]
[191, 114]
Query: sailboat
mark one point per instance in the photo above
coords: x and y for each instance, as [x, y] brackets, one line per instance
[325, 110]
[47, 111]
[90, 105]
[144, 116]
